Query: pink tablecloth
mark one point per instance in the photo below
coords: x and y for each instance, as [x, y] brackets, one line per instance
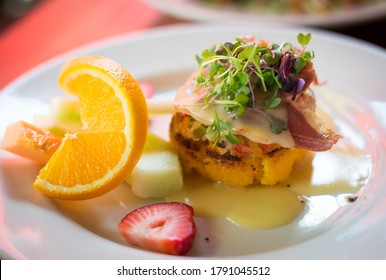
[56, 26]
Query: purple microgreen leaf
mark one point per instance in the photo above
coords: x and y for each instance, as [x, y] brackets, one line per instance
[288, 85]
[285, 65]
[299, 85]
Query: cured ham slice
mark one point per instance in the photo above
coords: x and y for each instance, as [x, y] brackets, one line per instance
[305, 135]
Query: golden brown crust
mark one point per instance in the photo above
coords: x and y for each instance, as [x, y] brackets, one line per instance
[239, 165]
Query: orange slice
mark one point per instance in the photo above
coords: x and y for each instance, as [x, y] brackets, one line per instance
[115, 121]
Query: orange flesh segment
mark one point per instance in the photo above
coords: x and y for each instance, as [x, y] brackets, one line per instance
[99, 112]
[80, 146]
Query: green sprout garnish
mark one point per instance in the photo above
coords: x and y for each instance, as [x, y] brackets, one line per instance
[304, 39]
[245, 75]
[219, 129]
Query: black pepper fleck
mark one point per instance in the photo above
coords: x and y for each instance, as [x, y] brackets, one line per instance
[352, 198]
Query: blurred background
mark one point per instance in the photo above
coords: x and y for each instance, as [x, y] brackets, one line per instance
[11, 10]
[33, 31]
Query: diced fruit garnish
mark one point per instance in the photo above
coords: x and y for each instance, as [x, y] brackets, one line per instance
[65, 117]
[114, 114]
[55, 126]
[158, 172]
[166, 227]
[29, 141]
[65, 109]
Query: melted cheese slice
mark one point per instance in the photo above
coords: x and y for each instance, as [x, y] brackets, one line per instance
[254, 125]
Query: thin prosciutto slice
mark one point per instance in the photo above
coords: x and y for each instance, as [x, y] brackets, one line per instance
[305, 135]
[306, 129]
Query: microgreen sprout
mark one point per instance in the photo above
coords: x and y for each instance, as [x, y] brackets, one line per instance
[304, 39]
[220, 129]
[246, 75]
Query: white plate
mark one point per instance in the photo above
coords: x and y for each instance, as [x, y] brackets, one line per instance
[33, 226]
[195, 10]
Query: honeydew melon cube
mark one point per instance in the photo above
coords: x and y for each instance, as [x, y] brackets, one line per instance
[65, 109]
[158, 173]
[55, 126]
[65, 117]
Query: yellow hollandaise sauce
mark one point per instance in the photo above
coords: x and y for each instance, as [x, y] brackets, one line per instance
[338, 171]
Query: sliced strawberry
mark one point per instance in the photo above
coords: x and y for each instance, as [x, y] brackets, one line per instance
[166, 227]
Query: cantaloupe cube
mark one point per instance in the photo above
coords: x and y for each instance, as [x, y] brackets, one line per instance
[29, 141]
